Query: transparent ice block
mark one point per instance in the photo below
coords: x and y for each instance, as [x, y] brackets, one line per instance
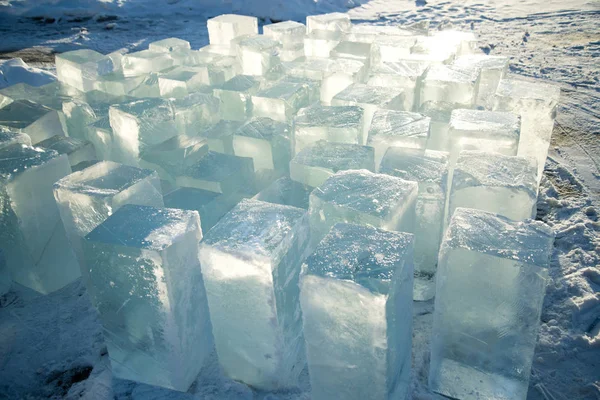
[352, 50]
[404, 74]
[288, 33]
[319, 43]
[77, 150]
[234, 97]
[391, 48]
[329, 22]
[80, 68]
[172, 156]
[196, 112]
[450, 83]
[100, 134]
[224, 28]
[440, 113]
[286, 192]
[492, 70]
[258, 54]
[182, 81]
[36, 120]
[282, 100]
[145, 61]
[220, 136]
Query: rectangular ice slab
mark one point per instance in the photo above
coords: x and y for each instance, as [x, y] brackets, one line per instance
[397, 128]
[224, 28]
[286, 192]
[36, 120]
[81, 68]
[172, 156]
[250, 263]
[451, 84]
[32, 235]
[317, 162]
[342, 124]
[429, 168]
[490, 289]
[258, 54]
[88, 197]
[496, 183]
[405, 74]
[288, 33]
[282, 100]
[146, 283]
[329, 22]
[362, 197]
[492, 70]
[77, 150]
[356, 297]
[234, 96]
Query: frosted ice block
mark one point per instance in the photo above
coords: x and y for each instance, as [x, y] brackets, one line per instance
[342, 124]
[451, 84]
[250, 263]
[282, 100]
[329, 22]
[224, 28]
[492, 70]
[196, 112]
[404, 74]
[490, 288]
[145, 61]
[288, 33]
[496, 183]
[32, 235]
[234, 97]
[220, 173]
[36, 120]
[318, 161]
[440, 113]
[285, 191]
[370, 98]
[258, 54]
[356, 297]
[172, 156]
[146, 283]
[220, 136]
[362, 197]
[168, 45]
[397, 128]
[5, 279]
[80, 68]
[429, 168]
[319, 43]
[77, 150]
[9, 137]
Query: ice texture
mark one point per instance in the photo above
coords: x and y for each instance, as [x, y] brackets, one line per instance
[319, 43]
[169, 45]
[224, 28]
[100, 134]
[429, 168]
[353, 50]
[404, 74]
[362, 197]
[440, 113]
[148, 288]
[172, 156]
[368, 33]
[464, 42]
[495, 183]
[32, 235]
[88, 197]
[258, 54]
[341, 124]
[282, 100]
[5, 279]
[36, 120]
[81, 68]
[286, 192]
[9, 137]
[196, 112]
[492, 70]
[397, 128]
[329, 22]
[77, 150]
[234, 96]
[145, 61]
[250, 263]
[51, 95]
[450, 83]
[317, 162]
[386, 48]
[118, 84]
[182, 81]
[370, 98]
[490, 288]
[356, 297]
[219, 137]
[288, 33]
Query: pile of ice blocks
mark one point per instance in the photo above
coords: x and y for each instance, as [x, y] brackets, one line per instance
[284, 198]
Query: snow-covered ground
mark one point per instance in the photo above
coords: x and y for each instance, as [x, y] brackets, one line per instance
[51, 346]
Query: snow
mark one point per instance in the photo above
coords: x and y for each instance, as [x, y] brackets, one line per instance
[52, 347]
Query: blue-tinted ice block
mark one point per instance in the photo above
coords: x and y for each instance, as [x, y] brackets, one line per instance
[356, 297]
[146, 282]
[77, 150]
[250, 263]
[36, 120]
[81, 68]
[491, 281]
[219, 137]
[174, 155]
[287, 192]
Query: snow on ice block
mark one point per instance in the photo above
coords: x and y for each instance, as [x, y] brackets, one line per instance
[220, 173]
[490, 288]
[181, 81]
[317, 162]
[286, 192]
[329, 22]
[404, 74]
[362, 197]
[451, 84]
[9, 137]
[429, 168]
[370, 98]
[495, 183]
[77, 150]
[196, 112]
[36, 120]
[5, 279]
[283, 99]
[100, 134]
[288, 33]
[224, 28]
[234, 97]
[139, 124]
[440, 113]
[397, 128]
[88, 197]
[172, 156]
[250, 263]
[169, 45]
[219, 137]
[32, 235]
[146, 61]
[341, 124]
[492, 70]
[147, 285]
[319, 43]
[356, 297]
[258, 54]
[81, 68]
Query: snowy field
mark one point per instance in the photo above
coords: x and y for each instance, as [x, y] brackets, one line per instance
[52, 347]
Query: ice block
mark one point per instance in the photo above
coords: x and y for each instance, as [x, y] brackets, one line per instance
[37, 121]
[77, 150]
[234, 96]
[492, 70]
[168, 45]
[450, 83]
[224, 28]
[282, 100]
[174, 155]
[220, 136]
[404, 74]
[258, 54]
[288, 33]
[286, 192]
[329, 22]
[9, 137]
[80, 68]
[319, 43]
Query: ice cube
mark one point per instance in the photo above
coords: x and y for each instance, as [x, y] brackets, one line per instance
[492, 70]
[319, 43]
[118, 84]
[397, 128]
[451, 84]
[88, 197]
[286, 192]
[77, 150]
[356, 297]
[352, 50]
[51, 95]
[32, 235]
[220, 49]
[145, 61]
[496, 183]
[368, 33]
[220, 136]
[146, 283]
[220, 173]
[370, 98]
[250, 263]
[169, 45]
[81, 68]
[224, 28]
[100, 134]
[258, 54]
[404, 74]
[36, 120]
[283, 99]
[391, 49]
[292, 53]
[429, 168]
[362, 197]
[196, 112]
[329, 22]
[288, 33]
[440, 113]
[182, 81]
[5, 279]
[342, 124]
[234, 96]
[172, 156]
[318, 161]
[490, 288]
[9, 137]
